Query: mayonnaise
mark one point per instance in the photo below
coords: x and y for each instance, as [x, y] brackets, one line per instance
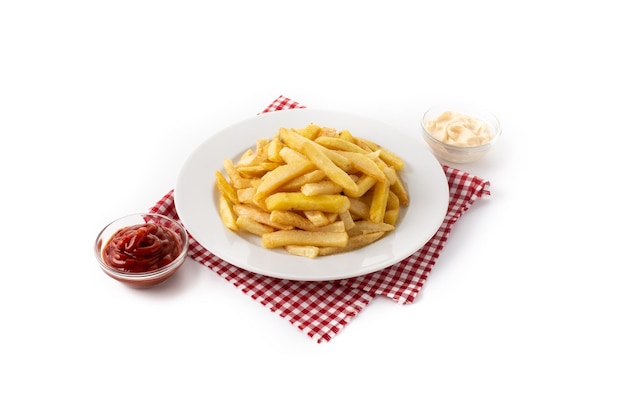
[459, 129]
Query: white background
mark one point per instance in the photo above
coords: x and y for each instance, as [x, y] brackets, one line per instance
[101, 102]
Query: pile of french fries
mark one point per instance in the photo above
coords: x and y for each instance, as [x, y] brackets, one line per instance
[313, 191]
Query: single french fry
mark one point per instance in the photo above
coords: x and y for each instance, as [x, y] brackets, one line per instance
[322, 187]
[379, 202]
[340, 144]
[354, 242]
[328, 131]
[281, 238]
[346, 135]
[228, 216]
[311, 131]
[250, 225]
[317, 217]
[391, 158]
[390, 173]
[391, 216]
[225, 188]
[291, 218]
[306, 251]
[246, 195]
[262, 146]
[291, 156]
[333, 203]
[258, 170]
[347, 220]
[400, 192]
[235, 177]
[393, 202]
[273, 150]
[362, 227]
[247, 158]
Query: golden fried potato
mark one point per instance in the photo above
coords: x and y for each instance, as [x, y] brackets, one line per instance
[331, 203]
[379, 202]
[225, 188]
[313, 191]
[227, 214]
[250, 225]
[322, 187]
[282, 238]
[306, 251]
[354, 242]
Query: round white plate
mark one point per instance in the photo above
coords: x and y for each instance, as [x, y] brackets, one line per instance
[196, 198]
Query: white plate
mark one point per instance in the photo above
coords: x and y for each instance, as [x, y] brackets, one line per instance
[195, 197]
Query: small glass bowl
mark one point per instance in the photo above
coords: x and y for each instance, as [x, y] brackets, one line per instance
[460, 153]
[144, 279]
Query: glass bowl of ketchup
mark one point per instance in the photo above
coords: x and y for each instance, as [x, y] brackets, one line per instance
[141, 250]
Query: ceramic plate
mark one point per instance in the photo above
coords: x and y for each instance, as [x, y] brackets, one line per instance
[196, 198]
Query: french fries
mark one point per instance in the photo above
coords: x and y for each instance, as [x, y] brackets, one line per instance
[282, 238]
[329, 203]
[312, 191]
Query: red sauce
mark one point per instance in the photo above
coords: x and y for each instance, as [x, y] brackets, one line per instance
[141, 248]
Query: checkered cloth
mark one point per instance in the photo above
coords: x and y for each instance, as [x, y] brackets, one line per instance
[322, 309]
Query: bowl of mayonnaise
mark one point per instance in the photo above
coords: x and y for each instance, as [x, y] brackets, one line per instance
[460, 133]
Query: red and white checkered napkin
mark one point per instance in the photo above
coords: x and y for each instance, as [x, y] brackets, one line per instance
[322, 309]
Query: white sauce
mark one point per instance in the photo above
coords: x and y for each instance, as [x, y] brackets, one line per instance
[459, 129]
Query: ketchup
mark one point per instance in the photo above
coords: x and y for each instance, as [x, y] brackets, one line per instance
[141, 248]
